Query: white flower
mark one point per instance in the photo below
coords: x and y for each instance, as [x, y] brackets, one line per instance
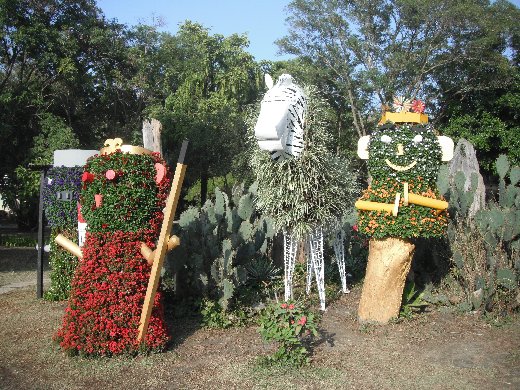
[386, 139]
[401, 104]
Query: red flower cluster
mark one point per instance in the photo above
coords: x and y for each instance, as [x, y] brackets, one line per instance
[108, 292]
[418, 106]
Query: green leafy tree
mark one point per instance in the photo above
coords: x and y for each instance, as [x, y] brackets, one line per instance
[489, 119]
[207, 93]
[22, 195]
[375, 49]
[60, 62]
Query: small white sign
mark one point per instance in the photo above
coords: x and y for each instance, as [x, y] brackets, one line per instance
[82, 231]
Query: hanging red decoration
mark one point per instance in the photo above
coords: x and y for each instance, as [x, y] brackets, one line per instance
[87, 177]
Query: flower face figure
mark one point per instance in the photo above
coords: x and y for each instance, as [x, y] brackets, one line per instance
[120, 191]
[404, 152]
[402, 201]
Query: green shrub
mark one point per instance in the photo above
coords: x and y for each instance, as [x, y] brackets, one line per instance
[63, 265]
[291, 326]
[213, 316]
[18, 241]
[62, 216]
[412, 300]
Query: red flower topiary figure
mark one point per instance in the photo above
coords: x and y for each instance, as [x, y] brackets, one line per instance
[122, 199]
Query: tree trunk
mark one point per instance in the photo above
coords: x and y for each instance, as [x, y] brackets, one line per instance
[152, 135]
[389, 262]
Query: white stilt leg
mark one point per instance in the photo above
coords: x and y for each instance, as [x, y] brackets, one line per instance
[339, 251]
[315, 241]
[289, 256]
[310, 268]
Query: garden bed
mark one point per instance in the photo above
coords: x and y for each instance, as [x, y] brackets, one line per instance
[433, 350]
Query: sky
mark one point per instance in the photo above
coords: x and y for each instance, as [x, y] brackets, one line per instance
[262, 20]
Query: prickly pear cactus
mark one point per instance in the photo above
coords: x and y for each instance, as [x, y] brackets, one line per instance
[122, 200]
[486, 248]
[501, 220]
[219, 241]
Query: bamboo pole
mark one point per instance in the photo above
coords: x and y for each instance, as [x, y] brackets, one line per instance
[164, 237]
[427, 202]
[374, 206]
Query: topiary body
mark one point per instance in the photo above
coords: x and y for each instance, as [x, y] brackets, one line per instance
[398, 154]
[121, 200]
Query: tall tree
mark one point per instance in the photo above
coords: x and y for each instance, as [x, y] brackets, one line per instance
[480, 100]
[211, 78]
[377, 48]
[58, 59]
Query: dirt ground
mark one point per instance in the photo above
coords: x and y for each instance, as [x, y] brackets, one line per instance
[434, 350]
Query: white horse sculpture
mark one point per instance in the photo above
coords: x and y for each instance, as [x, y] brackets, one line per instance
[280, 130]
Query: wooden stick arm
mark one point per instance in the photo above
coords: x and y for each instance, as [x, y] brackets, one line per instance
[427, 202]
[374, 206]
[149, 254]
[69, 246]
[160, 252]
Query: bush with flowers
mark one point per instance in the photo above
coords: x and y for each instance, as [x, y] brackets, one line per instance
[109, 286]
[292, 326]
[59, 213]
[62, 216]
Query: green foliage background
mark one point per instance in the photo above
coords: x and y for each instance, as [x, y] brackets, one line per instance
[63, 265]
[65, 66]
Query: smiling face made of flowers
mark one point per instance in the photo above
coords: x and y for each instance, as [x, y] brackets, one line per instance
[398, 154]
[404, 152]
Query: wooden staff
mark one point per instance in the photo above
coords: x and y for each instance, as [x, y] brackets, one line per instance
[162, 245]
[69, 246]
